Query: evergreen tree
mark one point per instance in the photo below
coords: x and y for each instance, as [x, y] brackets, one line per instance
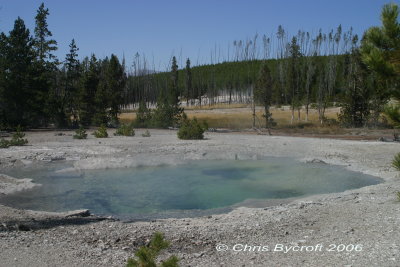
[143, 115]
[3, 99]
[189, 86]
[380, 51]
[168, 112]
[174, 89]
[45, 66]
[87, 93]
[115, 80]
[17, 79]
[380, 45]
[101, 97]
[72, 76]
[356, 106]
[263, 93]
[294, 76]
[43, 45]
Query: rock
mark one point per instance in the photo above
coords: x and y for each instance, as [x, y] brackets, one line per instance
[385, 139]
[26, 162]
[56, 158]
[77, 213]
[22, 227]
[198, 255]
[320, 161]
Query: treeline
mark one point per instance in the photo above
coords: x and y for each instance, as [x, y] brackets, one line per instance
[304, 71]
[37, 90]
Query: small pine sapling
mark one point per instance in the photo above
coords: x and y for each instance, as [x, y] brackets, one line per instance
[146, 256]
[80, 133]
[101, 132]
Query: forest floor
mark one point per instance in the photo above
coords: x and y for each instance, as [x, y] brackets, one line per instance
[354, 228]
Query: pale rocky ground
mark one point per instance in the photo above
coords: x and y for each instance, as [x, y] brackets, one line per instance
[368, 217]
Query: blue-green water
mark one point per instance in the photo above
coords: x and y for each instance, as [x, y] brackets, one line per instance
[196, 185]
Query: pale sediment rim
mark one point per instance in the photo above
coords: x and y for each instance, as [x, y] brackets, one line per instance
[17, 185]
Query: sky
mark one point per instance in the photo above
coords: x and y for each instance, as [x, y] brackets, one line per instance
[184, 28]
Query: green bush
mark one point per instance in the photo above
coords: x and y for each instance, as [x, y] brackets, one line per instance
[18, 138]
[396, 162]
[80, 133]
[146, 133]
[191, 129]
[147, 255]
[101, 132]
[125, 130]
[4, 143]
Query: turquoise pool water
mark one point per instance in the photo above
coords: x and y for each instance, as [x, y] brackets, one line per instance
[194, 186]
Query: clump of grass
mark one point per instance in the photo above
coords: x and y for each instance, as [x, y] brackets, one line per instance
[146, 133]
[80, 133]
[101, 132]
[398, 196]
[396, 162]
[125, 130]
[146, 256]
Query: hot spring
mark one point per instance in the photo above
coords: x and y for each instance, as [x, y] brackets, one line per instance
[196, 187]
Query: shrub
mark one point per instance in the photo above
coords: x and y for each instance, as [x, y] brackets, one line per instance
[146, 133]
[143, 116]
[125, 130]
[101, 132]
[166, 115]
[191, 129]
[147, 255]
[396, 162]
[18, 138]
[4, 143]
[398, 196]
[80, 133]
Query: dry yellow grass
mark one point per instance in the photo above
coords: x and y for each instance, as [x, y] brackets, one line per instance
[239, 117]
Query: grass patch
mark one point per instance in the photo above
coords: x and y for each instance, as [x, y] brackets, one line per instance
[396, 162]
[241, 117]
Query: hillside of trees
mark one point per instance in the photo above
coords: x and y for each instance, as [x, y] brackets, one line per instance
[303, 71]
